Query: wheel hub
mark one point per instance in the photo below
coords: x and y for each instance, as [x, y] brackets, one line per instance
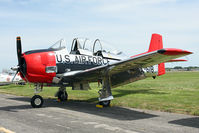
[37, 101]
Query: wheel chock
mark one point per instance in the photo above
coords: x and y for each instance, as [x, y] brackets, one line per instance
[99, 106]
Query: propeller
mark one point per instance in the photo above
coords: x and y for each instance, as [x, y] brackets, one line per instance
[19, 56]
[14, 75]
[19, 51]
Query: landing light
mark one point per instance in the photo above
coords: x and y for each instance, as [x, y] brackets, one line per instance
[51, 69]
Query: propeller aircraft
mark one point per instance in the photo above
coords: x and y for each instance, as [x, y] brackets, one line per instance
[88, 62]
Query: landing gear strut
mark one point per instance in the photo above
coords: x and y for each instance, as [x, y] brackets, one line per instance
[37, 101]
[105, 93]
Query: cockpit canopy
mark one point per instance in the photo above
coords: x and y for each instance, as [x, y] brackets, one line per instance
[92, 48]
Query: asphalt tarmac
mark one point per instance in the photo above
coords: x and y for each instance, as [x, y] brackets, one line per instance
[16, 115]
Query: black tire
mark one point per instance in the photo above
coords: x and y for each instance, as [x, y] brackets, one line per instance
[37, 101]
[105, 103]
[62, 96]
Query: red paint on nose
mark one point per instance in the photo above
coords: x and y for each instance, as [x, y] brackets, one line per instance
[36, 64]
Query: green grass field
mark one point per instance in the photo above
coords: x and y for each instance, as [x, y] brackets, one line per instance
[174, 92]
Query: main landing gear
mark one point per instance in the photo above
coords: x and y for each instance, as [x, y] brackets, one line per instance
[105, 103]
[105, 94]
[62, 94]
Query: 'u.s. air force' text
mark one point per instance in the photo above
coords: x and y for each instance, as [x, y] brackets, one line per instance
[81, 59]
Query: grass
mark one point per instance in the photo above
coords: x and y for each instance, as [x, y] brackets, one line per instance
[174, 92]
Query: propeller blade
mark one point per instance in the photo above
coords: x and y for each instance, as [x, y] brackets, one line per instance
[24, 76]
[19, 51]
[15, 75]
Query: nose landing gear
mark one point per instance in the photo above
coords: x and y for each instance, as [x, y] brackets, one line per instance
[37, 101]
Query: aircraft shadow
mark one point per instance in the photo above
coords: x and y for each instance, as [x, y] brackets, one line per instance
[189, 122]
[118, 113]
[122, 92]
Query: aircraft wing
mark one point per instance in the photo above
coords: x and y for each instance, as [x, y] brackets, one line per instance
[140, 61]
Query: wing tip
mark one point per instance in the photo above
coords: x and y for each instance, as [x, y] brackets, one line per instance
[173, 51]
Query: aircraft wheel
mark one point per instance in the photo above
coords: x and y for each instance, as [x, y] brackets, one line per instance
[105, 103]
[37, 101]
[63, 95]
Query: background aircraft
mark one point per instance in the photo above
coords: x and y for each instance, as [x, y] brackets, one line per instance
[88, 62]
[6, 78]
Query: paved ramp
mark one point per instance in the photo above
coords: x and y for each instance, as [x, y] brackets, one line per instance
[16, 115]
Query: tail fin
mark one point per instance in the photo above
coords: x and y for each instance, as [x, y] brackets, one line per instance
[156, 44]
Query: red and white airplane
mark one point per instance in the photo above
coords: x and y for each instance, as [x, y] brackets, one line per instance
[7, 78]
[90, 62]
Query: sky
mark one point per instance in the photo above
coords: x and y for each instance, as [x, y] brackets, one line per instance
[126, 24]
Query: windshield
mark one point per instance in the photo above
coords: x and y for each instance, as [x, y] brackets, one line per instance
[76, 44]
[59, 44]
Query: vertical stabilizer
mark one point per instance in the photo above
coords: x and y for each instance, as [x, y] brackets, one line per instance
[156, 44]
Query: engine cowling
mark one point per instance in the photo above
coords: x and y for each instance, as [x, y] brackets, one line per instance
[39, 67]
